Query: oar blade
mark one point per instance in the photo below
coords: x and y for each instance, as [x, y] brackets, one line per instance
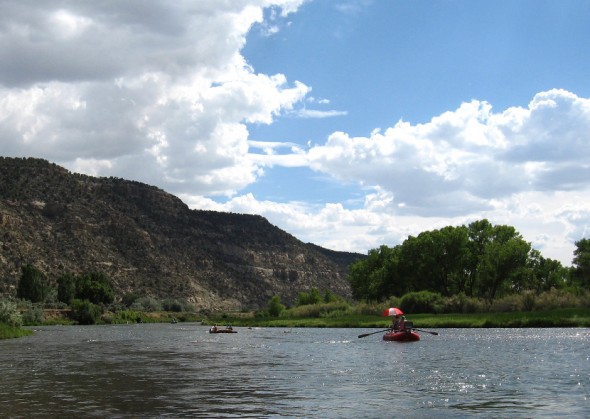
[372, 333]
[427, 331]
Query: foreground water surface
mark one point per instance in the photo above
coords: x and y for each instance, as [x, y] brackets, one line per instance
[180, 370]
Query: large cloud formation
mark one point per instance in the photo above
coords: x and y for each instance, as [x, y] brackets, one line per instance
[160, 92]
[470, 156]
[151, 87]
[527, 167]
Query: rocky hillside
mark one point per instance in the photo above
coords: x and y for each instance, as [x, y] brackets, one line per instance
[149, 242]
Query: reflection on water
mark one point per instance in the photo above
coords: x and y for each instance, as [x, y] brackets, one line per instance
[182, 371]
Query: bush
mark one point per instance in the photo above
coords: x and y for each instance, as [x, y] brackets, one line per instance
[126, 316]
[9, 314]
[275, 307]
[506, 304]
[420, 302]
[147, 304]
[317, 310]
[369, 309]
[528, 300]
[33, 315]
[308, 311]
[187, 306]
[473, 305]
[311, 297]
[130, 298]
[172, 305]
[460, 303]
[85, 312]
[555, 298]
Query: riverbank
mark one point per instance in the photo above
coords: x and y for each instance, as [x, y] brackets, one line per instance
[574, 317]
[10, 332]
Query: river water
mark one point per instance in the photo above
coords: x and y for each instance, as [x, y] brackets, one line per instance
[180, 370]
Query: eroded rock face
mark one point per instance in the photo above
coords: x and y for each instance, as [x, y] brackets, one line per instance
[148, 241]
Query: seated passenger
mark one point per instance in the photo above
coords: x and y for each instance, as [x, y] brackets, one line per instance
[402, 324]
[396, 323]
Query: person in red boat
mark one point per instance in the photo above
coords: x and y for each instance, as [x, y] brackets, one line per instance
[402, 324]
[396, 324]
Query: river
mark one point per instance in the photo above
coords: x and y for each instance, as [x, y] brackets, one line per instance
[180, 370]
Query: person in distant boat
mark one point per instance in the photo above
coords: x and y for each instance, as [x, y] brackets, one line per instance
[214, 328]
[229, 327]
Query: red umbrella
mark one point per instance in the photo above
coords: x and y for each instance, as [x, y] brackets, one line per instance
[393, 312]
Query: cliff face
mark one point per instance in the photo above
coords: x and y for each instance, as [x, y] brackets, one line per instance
[149, 242]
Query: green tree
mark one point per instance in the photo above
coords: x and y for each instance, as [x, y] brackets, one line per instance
[543, 274]
[376, 278]
[502, 265]
[480, 235]
[436, 259]
[66, 288]
[94, 287]
[480, 261]
[32, 285]
[581, 263]
[275, 307]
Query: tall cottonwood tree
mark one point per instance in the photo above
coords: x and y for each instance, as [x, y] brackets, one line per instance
[480, 260]
[581, 263]
[32, 285]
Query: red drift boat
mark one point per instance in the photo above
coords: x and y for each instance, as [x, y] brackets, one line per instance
[402, 336]
[406, 335]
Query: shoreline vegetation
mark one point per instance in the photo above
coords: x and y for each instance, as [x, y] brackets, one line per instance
[428, 310]
[10, 332]
[564, 317]
[573, 317]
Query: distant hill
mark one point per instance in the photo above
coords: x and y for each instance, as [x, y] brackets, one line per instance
[150, 243]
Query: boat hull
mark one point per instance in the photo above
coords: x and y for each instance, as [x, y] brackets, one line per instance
[223, 331]
[405, 336]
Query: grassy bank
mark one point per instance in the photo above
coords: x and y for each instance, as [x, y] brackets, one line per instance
[575, 317]
[572, 317]
[9, 332]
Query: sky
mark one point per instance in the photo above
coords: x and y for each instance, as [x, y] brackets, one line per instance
[350, 124]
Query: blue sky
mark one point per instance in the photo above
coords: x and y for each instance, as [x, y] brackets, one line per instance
[347, 123]
[378, 62]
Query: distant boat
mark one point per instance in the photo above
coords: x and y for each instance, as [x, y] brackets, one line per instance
[228, 329]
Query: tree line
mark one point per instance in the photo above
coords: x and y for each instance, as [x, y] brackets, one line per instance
[89, 296]
[85, 294]
[479, 260]
[94, 287]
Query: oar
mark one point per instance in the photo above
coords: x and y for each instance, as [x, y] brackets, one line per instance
[426, 331]
[372, 333]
